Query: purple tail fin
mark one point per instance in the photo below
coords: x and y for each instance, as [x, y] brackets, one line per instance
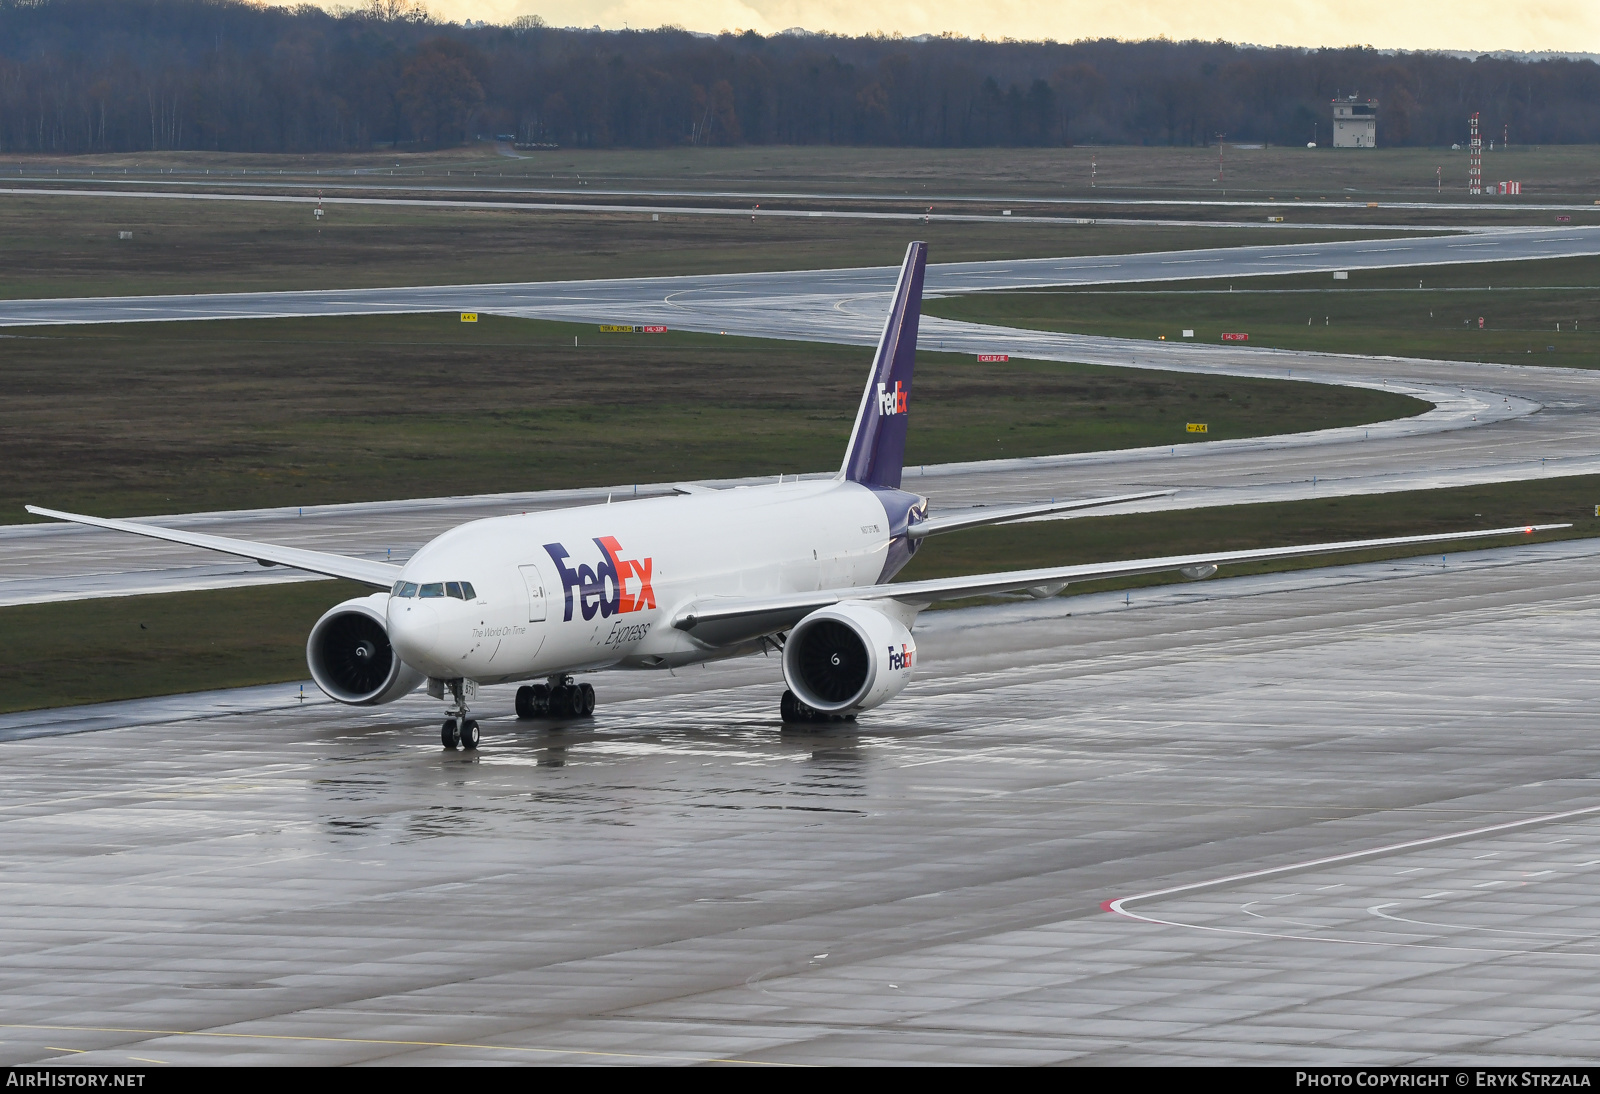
[878, 444]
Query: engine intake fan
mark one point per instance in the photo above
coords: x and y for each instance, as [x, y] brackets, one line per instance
[351, 658]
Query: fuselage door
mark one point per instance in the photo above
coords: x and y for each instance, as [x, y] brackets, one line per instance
[536, 593]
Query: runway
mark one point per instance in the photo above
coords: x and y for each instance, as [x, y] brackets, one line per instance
[657, 209]
[1393, 763]
[489, 184]
[784, 298]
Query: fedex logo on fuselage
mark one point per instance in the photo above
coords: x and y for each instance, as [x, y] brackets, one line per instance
[901, 658]
[892, 402]
[603, 587]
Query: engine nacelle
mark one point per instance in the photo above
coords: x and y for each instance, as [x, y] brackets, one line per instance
[849, 657]
[351, 658]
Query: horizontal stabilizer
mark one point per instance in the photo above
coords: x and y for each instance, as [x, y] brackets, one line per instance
[379, 575]
[1002, 514]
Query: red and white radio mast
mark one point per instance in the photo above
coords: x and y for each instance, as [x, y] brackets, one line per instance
[1475, 163]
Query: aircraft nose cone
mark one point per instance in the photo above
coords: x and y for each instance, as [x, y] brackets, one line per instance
[413, 630]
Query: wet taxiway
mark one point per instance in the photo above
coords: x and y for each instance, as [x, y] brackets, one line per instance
[1351, 816]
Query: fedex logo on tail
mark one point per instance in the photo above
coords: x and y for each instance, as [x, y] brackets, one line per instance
[892, 402]
[901, 658]
[603, 587]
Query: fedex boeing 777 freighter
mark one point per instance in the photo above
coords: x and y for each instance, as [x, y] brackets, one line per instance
[803, 567]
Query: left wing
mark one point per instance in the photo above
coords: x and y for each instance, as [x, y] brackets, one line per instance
[379, 575]
[725, 620]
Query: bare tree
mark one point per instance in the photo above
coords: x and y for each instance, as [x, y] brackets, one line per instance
[114, 75]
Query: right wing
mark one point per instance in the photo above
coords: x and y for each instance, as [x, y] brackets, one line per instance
[726, 620]
[379, 575]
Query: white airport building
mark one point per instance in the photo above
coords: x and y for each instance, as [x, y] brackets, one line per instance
[1355, 123]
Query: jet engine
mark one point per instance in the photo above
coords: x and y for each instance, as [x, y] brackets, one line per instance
[351, 658]
[848, 657]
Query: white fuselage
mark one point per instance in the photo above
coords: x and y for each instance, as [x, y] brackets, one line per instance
[597, 586]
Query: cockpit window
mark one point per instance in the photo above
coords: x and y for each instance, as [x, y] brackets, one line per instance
[458, 590]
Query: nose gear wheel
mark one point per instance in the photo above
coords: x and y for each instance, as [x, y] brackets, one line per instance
[460, 733]
[458, 730]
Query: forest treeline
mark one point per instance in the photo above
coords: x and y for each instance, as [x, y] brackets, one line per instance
[135, 75]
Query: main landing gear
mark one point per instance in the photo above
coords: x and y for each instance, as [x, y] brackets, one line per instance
[793, 710]
[458, 730]
[560, 698]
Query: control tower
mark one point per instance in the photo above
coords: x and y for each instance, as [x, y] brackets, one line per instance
[1355, 123]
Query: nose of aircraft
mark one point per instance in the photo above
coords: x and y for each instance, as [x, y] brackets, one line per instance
[413, 630]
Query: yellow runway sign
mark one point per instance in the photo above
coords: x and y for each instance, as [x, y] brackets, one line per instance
[1196, 427]
[469, 317]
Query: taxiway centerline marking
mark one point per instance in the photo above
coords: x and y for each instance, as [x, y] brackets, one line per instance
[1118, 906]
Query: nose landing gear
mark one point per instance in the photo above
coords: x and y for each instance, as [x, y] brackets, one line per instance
[560, 698]
[458, 730]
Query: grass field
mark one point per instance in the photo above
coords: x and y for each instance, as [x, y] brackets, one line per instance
[182, 417]
[97, 650]
[69, 246]
[1564, 172]
[1540, 312]
[90, 651]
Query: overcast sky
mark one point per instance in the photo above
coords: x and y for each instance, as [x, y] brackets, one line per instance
[1563, 25]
